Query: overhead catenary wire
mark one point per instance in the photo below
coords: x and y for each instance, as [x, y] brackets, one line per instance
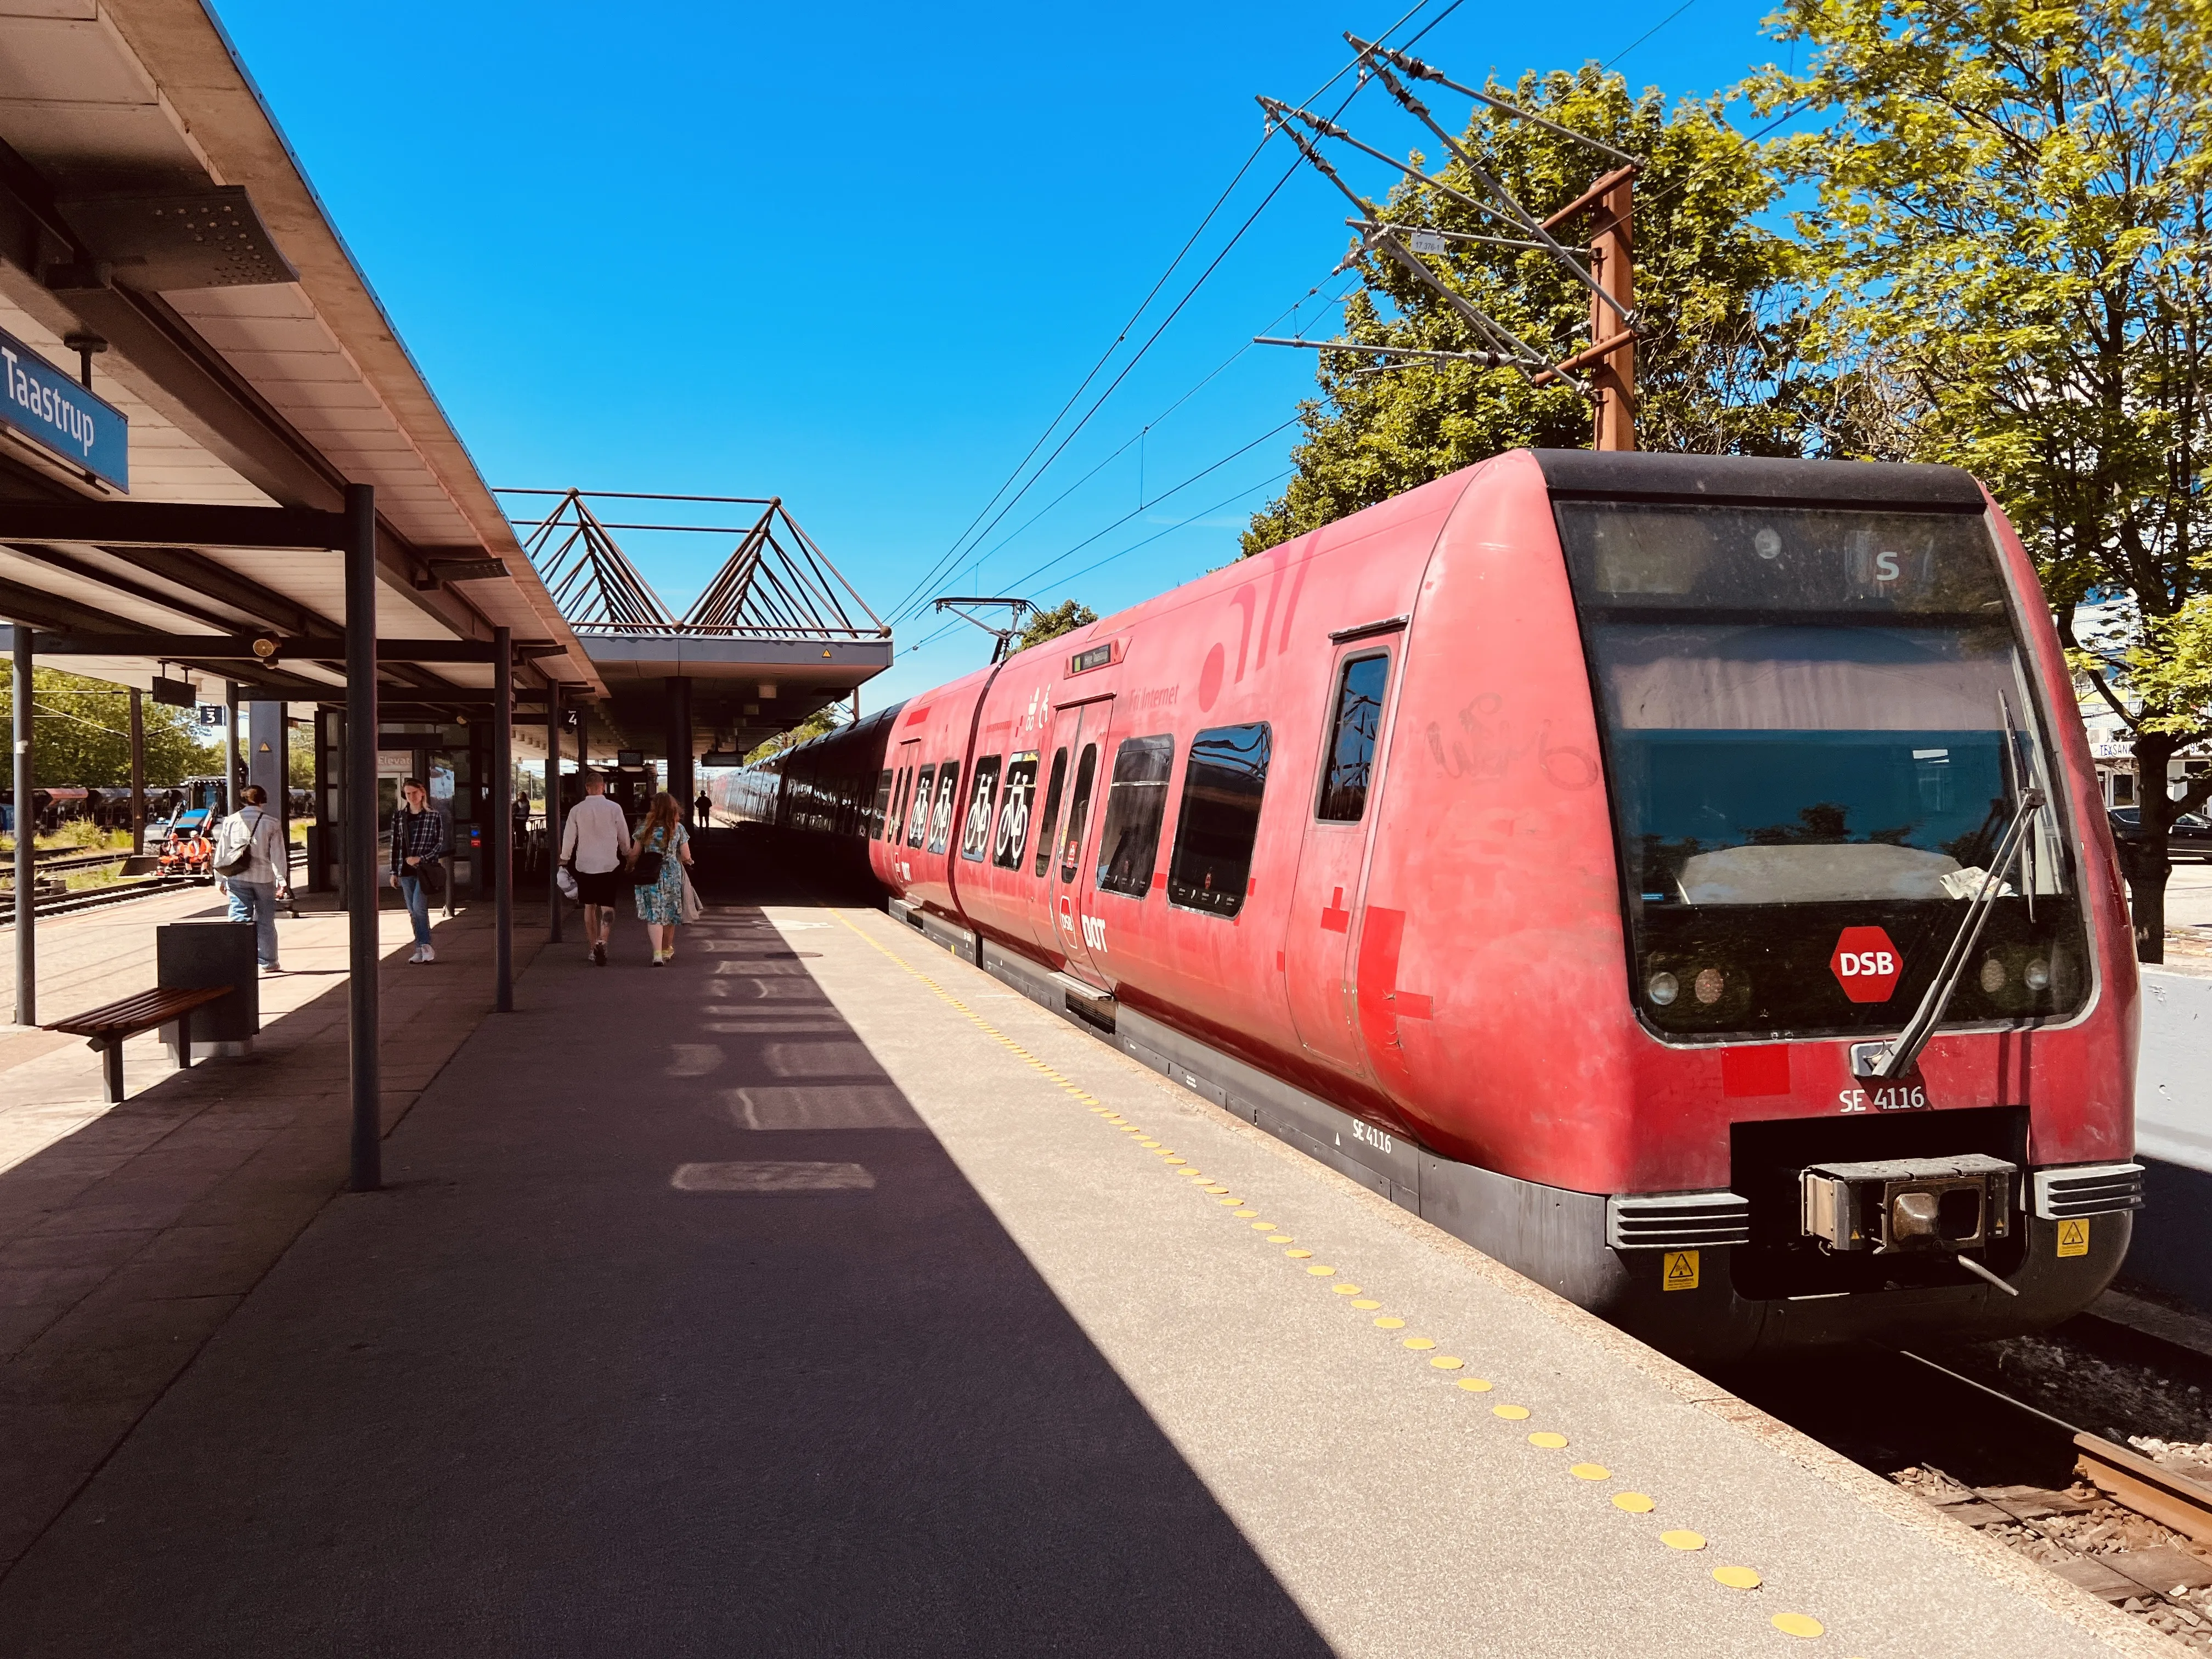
[1215, 373]
[908, 602]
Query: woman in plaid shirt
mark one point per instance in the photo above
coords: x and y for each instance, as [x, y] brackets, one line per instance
[418, 837]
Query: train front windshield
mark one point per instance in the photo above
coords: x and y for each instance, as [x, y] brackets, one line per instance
[1819, 728]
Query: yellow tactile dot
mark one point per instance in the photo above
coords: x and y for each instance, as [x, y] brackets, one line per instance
[1113, 1117]
[1243, 1214]
[1389, 1324]
[1279, 1238]
[1186, 1172]
[1148, 1143]
[1296, 1256]
[1131, 1130]
[1736, 1578]
[1232, 1200]
[1264, 1226]
[1475, 1385]
[1172, 1159]
[1511, 1413]
[1681, 1541]
[1319, 1271]
[1590, 1472]
[1547, 1440]
[1364, 1303]
[1444, 1362]
[1347, 1289]
[1418, 1344]
[1215, 1187]
[1798, 1623]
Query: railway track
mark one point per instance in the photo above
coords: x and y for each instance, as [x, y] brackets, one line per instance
[2125, 1527]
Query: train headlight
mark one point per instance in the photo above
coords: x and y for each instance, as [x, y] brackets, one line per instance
[1993, 975]
[2037, 974]
[1662, 989]
[1708, 985]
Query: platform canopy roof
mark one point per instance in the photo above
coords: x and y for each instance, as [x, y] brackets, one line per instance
[776, 636]
[151, 212]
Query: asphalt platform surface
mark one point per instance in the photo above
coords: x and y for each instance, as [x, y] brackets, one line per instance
[819, 1295]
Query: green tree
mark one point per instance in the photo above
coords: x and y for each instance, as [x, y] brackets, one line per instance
[2011, 232]
[1718, 368]
[1063, 618]
[81, 734]
[819, 724]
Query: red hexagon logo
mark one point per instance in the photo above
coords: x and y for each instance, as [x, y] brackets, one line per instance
[1866, 964]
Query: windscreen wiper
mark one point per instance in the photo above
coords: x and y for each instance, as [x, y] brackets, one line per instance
[1890, 1060]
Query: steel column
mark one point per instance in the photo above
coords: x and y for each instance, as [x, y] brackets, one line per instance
[553, 813]
[137, 771]
[230, 746]
[1612, 265]
[363, 954]
[503, 815]
[679, 744]
[27, 835]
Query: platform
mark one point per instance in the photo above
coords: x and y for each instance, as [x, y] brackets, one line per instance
[822, 1295]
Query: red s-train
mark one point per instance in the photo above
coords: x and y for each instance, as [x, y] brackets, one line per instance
[1561, 849]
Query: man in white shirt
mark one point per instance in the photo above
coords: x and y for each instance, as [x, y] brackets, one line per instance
[595, 844]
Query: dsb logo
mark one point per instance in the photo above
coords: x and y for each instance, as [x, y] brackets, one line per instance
[1866, 964]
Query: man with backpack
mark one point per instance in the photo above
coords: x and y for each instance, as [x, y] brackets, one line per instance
[254, 866]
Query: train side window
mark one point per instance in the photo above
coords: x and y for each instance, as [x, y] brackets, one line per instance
[1079, 811]
[917, 813]
[1223, 780]
[881, 815]
[940, 821]
[1052, 794]
[982, 799]
[1136, 804]
[1351, 739]
[1014, 811]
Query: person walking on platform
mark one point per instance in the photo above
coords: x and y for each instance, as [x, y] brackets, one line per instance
[419, 840]
[595, 845]
[657, 874]
[252, 863]
[701, 810]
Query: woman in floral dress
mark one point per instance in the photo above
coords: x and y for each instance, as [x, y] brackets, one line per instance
[660, 902]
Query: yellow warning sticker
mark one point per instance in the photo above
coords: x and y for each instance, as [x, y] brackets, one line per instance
[2073, 1237]
[1681, 1273]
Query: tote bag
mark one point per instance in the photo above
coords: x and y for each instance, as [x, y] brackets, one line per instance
[689, 908]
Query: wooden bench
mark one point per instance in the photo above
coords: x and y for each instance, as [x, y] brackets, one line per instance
[109, 1025]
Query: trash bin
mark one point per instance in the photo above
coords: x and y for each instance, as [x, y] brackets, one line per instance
[191, 955]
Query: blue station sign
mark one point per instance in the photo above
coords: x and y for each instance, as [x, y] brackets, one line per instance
[42, 403]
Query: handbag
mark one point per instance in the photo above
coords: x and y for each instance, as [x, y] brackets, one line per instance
[432, 875]
[644, 865]
[688, 907]
[236, 861]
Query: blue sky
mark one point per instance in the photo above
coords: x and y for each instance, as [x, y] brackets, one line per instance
[859, 257]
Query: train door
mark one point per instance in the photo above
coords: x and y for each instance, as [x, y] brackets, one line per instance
[1317, 950]
[1073, 795]
[908, 763]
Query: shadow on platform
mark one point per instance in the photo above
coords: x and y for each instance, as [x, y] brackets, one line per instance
[677, 1333]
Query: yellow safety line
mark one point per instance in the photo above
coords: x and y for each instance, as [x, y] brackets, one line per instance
[1630, 1503]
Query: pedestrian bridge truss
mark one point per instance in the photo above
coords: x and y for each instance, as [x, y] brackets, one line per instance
[777, 635]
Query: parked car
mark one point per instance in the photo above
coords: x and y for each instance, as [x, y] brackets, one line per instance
[2190, 837]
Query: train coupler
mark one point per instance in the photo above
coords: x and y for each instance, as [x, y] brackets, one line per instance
[1909, 1203]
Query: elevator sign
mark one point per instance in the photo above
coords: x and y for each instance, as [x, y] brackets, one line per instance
[1866, 964]
[41, 403]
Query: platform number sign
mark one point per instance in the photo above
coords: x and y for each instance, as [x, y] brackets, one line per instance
[2074, 1237]
[1866, 964]
[1681, 1272]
